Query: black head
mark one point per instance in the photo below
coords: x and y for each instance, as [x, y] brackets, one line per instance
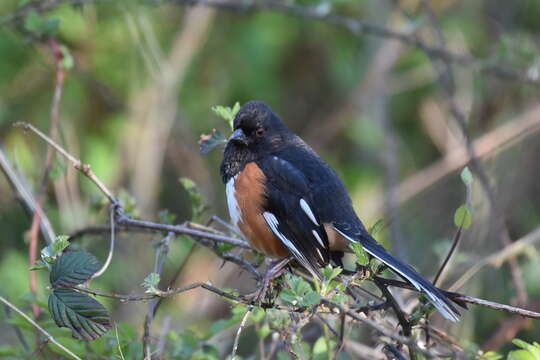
[258, 128]
[257, 132]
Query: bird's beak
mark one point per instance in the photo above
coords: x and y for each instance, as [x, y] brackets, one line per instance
[239, 137]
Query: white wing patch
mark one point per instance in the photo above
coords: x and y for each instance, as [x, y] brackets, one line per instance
[304, 205]
[234, 209]
[273, 222]
[316, 234]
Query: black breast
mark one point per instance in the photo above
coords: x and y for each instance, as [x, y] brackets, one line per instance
[235, 157]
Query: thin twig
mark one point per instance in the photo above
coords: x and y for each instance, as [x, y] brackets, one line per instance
[26, 197]
[167, 293]
[162, 250]
[121, 217]
[111, 245]
[77, 164]
[226, 225]
[405, 324]
[460, 298]
[381, 329]
[39, 328]
[451, 251]
[239, 331]
[498, 258]
[393, 351]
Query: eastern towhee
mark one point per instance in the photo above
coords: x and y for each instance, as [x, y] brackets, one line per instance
[287, 200]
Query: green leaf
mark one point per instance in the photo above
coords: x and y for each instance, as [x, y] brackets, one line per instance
[377, 227]
[33, 21]
[300, 293]
[520, 355]
[463, 217]
[197, 205]
[208, 143]
[492, 355]
[151, 282]
[330, 272]
[375, 266]
[264, 331]
[36, 23]
[165, 217]
[320, 348]
[466, 176]
[73, 268]
[533, 349]
[362, 257]
[85, 317]
[311, 298]
[49, 253]
[39, 265]
[60, 243]
[227, 113]
[67, 58]
[223, 324]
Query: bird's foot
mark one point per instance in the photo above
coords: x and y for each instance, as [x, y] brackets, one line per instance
[274, 269]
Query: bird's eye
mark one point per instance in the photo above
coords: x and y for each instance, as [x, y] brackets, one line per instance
[259, 131]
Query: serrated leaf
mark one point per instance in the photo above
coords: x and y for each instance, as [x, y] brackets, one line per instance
[208, 143]
[463, 217]
[60, 243]
[84, 316]
[151, 282]
[73, 268]
[311, 298]
[330, 272]
[288, 296]
[235, 109]
[362, 257]
[227, 113]
[466, 176]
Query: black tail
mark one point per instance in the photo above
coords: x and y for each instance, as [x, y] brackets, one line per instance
[436, 296]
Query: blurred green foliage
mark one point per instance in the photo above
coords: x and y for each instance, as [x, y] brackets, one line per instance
[119, 58]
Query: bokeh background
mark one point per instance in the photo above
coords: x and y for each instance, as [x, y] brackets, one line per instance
[138, 96]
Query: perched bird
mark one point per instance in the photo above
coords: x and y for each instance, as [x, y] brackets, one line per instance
[286, 200]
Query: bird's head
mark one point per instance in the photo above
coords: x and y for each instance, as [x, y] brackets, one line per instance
[257, 129]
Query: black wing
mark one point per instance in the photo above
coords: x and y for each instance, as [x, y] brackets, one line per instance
[290, 215]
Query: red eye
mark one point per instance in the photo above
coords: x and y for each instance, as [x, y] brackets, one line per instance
[259, 132]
